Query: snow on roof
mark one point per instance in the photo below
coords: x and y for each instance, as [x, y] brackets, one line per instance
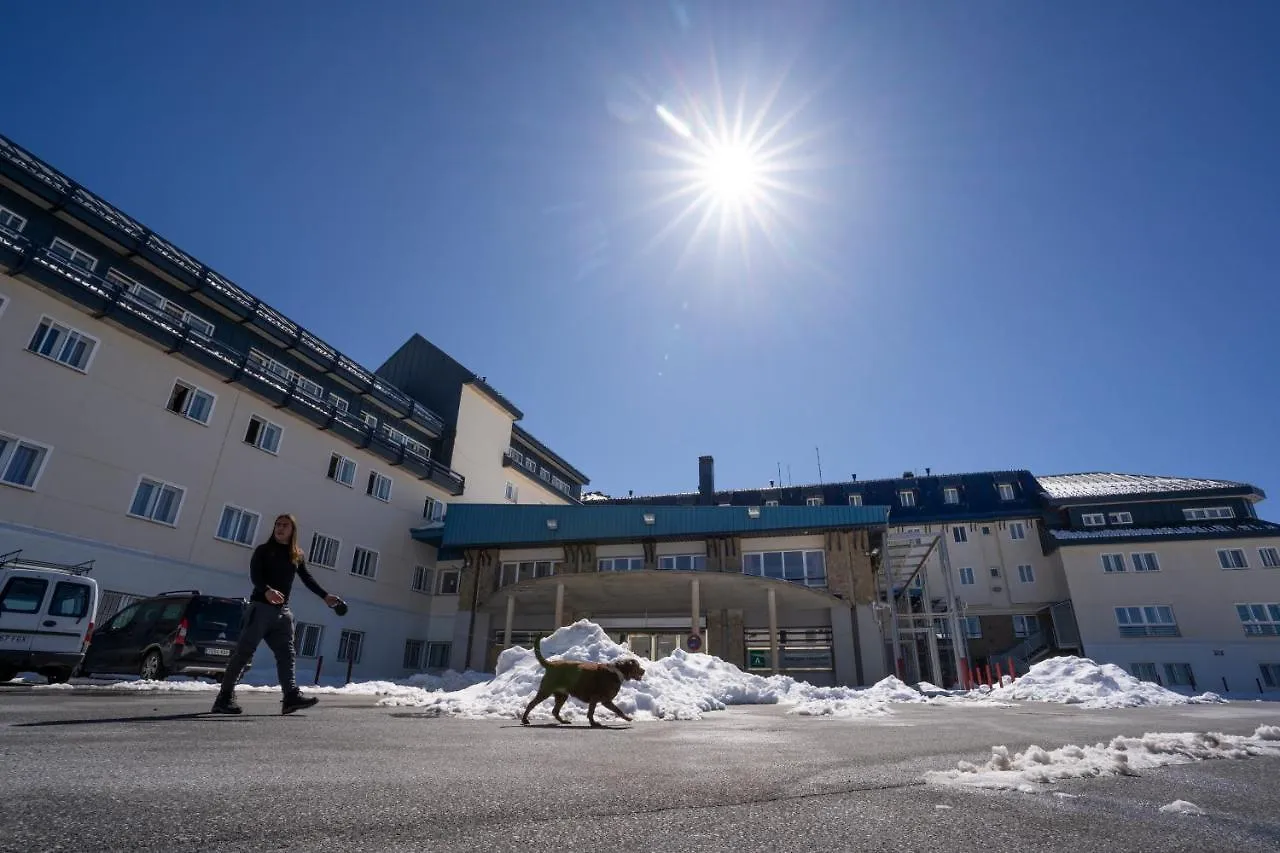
[1264, 527]
[1103, 484]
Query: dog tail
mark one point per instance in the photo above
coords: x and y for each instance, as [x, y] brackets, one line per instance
[537, 650]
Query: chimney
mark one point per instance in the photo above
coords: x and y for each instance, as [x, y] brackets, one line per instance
[706, 479]
[928, 472]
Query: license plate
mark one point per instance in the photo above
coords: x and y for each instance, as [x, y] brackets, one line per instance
[218, 653]
[14, 639]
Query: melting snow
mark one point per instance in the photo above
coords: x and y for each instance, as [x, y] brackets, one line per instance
[1079, 681]
[1182, 807]
[1123, 756]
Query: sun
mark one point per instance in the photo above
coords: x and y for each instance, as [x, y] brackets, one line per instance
[730, 174]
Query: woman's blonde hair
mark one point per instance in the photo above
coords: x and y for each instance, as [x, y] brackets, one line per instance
[295, 553]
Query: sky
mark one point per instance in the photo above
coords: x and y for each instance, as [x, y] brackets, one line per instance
[982, 236]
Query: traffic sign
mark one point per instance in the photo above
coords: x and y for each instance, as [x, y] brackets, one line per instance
[694, 643]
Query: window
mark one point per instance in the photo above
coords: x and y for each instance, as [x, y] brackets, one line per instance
[683, 562]
[1121, 518]
[1112, 563]
[237, 525]
[413, 652]
[771, 503]
[1145, 672]
[960, 534]
[1179, 675]
[379, 486]
[369, 418]
[814, 500]
[511, 493]
[11, 221]
[157, 501]
[621, 564]
[364, 563]
[906, 497]
[21, 461]
[1270, 674]
[191, 402]
[1145, 562]
[515, 572]
[23, 595]
[263, 434]
[995, 571]
[1270, 557]
[1259, 620]
[70, 600]
[323, 551]
[1006, 491]
[438, 655]
[1026, 626]
[269, 365]
[808, 568]
[855, 500]
[1232, 558]
[422, 580]
[306, 639]
[966, 576]
[341, 470]
[1151, 620]
[1026, 574]
[1017, 530]
[434, 510]
[951, 495]
[1093, 519]
[148, 297]
[73, 256]
[531, 464]
[1207, 513]
[449, 581]
[350, 645]
[63, 344]
[973, 627]
[338, 403]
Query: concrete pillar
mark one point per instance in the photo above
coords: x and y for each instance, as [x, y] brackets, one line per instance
[697, 609]
[480, 644]
[870, 645]
[774, 658]
[735, 649]
[511, 618]
[843, 647]
[559, 605]
[935, 661]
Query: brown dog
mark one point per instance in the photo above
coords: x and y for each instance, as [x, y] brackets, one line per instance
[593, 683]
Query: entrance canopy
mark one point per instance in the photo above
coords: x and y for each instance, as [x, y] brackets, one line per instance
[639, 592]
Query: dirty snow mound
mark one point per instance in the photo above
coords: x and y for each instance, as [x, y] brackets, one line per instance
[1080, 681]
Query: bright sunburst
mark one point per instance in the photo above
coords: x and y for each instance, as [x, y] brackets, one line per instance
[730, 173]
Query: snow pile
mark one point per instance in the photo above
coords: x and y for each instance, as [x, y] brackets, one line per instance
[1182, 807]
[1079, 681]
[415, 686]
[1123, 756]
[681, 686]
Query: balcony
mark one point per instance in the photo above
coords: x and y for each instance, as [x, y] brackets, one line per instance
[106, 299]
[530, 467]
[139, 243]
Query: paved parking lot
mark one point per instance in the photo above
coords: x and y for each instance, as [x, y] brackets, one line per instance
[100, 770]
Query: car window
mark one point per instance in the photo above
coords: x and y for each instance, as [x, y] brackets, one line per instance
[149, 611]
[173, 611]
[23, 595]
[70, 599]
[123, 619]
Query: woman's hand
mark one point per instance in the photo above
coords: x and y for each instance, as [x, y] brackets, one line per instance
[274, 596]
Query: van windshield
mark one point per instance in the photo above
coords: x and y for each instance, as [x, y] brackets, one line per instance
[216, 619]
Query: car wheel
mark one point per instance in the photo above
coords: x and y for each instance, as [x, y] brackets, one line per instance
[152, 668]
[60, 677]
[8, 674]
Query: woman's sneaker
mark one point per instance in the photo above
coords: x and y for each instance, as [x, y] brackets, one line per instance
[296, 702]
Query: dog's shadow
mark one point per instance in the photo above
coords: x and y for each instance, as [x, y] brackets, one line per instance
[568, 726]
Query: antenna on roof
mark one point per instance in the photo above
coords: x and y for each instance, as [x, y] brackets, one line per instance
[819, 455]
[790, 482]
[779, 473]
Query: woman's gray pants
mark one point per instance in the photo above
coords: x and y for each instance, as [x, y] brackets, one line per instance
[275, 625]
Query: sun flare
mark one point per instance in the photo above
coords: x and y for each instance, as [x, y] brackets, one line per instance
[730, 174]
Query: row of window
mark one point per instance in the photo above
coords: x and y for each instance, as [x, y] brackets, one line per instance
[1026, 574]
[1181, 675]
[1024, 625]
[805, 567]
[531, 465]
[418, 654]
[1157, 620]
[1228, 558]
[1102, 519]
[907, 497]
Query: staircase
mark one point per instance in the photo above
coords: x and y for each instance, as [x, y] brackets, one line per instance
[1031, 650]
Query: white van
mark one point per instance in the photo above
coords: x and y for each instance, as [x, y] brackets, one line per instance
[46, 617]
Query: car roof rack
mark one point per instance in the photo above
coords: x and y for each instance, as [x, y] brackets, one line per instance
[178, 592]
[15, 560]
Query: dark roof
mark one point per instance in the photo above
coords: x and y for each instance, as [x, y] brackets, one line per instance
[522, 434]
[474, 525]
[1087, 487]
[1240, 530]
[979, 496]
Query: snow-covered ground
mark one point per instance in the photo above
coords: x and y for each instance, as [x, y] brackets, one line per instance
[685, 686]
[1029, 771]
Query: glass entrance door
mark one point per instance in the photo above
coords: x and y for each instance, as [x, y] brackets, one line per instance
[657, 645]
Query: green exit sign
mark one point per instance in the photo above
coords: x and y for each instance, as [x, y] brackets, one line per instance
[758, 659]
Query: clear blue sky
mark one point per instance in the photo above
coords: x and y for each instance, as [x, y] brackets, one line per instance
[1012, 234]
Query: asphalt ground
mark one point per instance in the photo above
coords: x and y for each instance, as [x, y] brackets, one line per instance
[88, 770]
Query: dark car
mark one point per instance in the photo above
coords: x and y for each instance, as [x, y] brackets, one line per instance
[174, 633]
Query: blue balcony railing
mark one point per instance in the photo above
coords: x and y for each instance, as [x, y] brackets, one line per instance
[106, 298]
[99, 214]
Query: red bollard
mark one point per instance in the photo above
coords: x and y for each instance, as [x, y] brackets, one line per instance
[1012, 672]
[966, 680]
[986, 673]
[999, 675]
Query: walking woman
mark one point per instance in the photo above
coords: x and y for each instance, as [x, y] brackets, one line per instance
[274, 565]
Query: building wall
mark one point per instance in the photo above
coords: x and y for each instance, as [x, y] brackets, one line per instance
[109, 426]
[1202, 595]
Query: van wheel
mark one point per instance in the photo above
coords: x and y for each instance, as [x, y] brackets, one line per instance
[8, 674]
[60, 677]
[153, 667]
